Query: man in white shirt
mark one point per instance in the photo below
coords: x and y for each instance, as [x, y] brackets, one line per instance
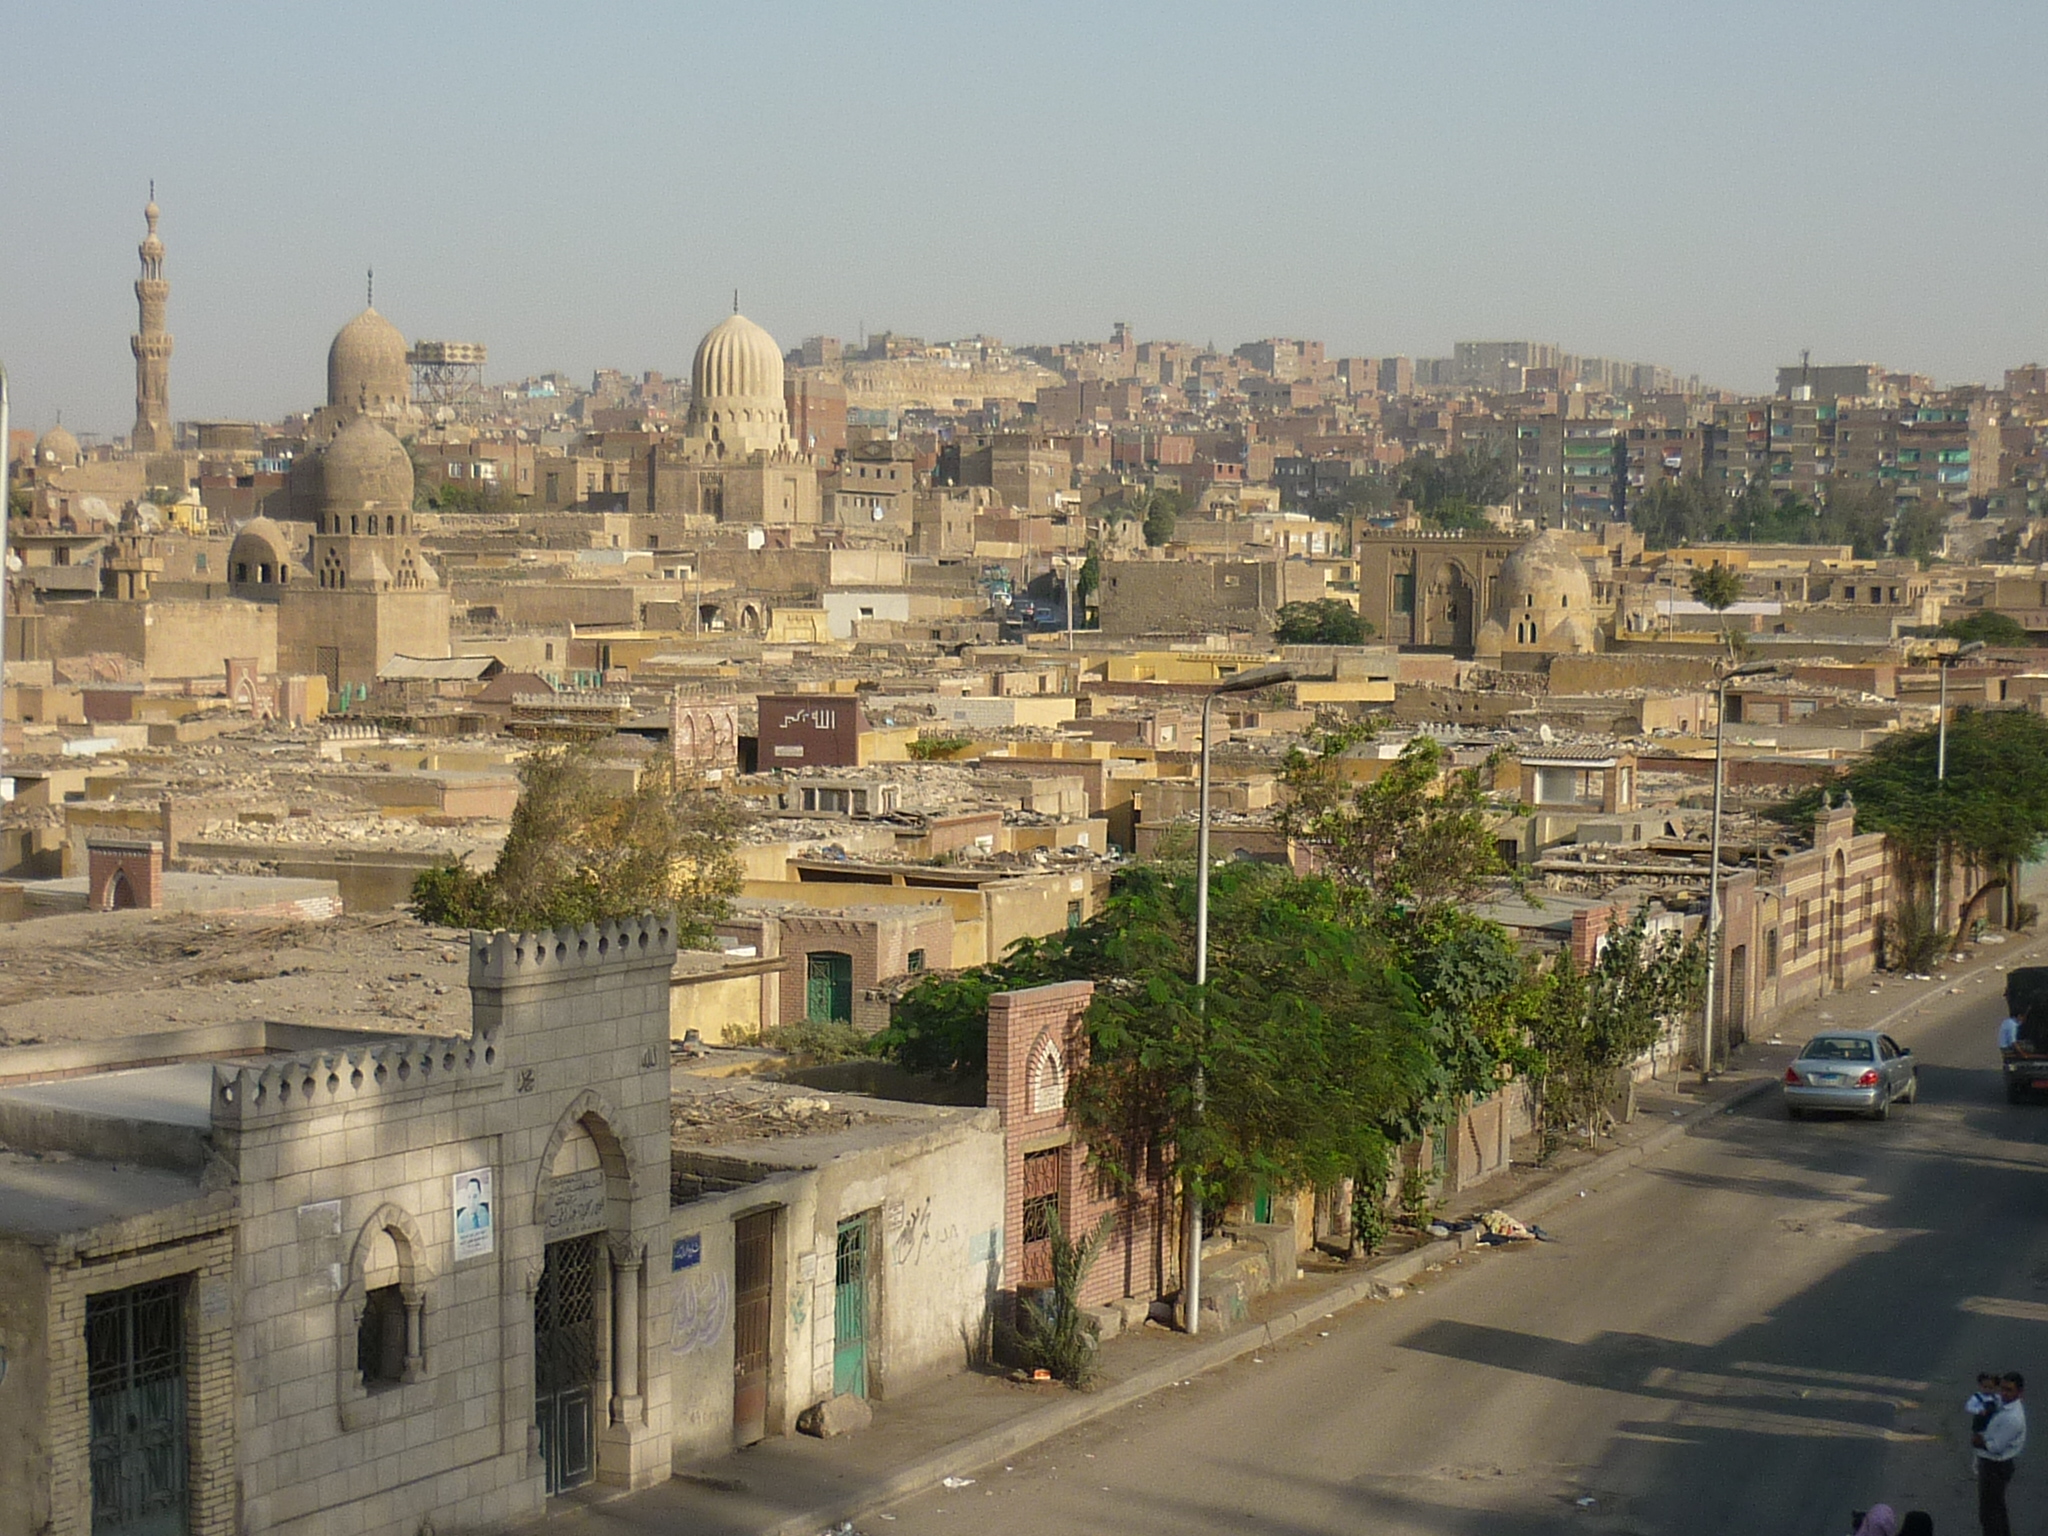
[1998, 1449]
[2008, 1032]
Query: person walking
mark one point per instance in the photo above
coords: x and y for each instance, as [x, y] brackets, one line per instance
[1998, 1448]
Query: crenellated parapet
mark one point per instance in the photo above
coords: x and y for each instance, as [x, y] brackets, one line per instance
[252, 1094]
[501, 960]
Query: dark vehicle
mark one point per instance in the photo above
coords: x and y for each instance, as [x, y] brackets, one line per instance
[2026, 1062]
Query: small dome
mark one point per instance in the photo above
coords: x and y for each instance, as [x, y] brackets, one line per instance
[1545, 575]
[366, 366]
[58, 447]
[739, 362]
[260, 555]
[365, 469]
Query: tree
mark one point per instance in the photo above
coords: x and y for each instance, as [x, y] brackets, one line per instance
[1675, 512]
[1456, 484]
[1327, 621]
[1160, 520]
[579, 851]
[1588, 1026]
[1716, 587]
[1310, 1052]
[1992, 810]
[1419, 836]
[1990, 626]
[1921, 532]
[1314, 1050]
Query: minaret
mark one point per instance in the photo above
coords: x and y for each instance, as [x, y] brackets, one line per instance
[152, 345]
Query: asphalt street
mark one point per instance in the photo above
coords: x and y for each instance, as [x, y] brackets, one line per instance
[1770, 1324]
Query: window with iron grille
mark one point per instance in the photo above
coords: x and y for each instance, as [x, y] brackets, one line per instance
[1041, 1203]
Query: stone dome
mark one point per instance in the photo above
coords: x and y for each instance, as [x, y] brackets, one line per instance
[261, 554]
[1543, 598]
[364, 469]
[366, 367]
[58, 447]
[1545, 574]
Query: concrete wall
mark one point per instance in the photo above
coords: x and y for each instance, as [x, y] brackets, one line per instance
[931, 1183]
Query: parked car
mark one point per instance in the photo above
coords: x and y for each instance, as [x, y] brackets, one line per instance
[1861, 1071]
[2025, 1061]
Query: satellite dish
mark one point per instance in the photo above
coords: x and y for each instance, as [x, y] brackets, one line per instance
[1549, 737]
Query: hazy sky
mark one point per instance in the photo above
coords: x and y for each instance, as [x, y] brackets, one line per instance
[1710, 186]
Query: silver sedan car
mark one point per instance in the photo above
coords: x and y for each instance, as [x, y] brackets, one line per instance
[1861, 1071]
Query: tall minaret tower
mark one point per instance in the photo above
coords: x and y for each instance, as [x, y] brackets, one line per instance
[152, 345]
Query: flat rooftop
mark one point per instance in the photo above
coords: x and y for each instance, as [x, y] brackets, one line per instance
[180, 1094]
[50, 1194]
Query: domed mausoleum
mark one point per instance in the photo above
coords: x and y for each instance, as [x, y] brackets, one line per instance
[1542, 601]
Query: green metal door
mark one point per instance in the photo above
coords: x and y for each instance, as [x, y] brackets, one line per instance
[850, 1309]
[828, 995]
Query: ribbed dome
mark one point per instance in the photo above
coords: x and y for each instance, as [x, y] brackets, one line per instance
[737, 361]
[366, 366]
[365, 469]
[58, 446]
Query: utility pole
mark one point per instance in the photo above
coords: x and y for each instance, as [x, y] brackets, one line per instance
[1243, 682]
[1721, 682]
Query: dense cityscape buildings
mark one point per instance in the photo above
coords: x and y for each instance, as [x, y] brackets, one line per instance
[441, 1227]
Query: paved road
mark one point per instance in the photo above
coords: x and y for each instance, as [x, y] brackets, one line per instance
[1773, 1322]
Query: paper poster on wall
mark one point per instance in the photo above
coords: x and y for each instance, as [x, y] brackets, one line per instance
[473, 1221]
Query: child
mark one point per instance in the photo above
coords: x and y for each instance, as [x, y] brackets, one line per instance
[1980, 1405]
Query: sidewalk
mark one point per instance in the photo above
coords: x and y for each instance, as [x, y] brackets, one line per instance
[797, 1486]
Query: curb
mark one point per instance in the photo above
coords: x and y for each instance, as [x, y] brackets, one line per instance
[1034, 1428]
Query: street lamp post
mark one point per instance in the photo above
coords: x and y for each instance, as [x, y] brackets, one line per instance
[1942, 664]
[1721, 682]
[1243, 682]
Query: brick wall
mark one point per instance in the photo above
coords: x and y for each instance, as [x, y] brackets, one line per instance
[1026, 1030]
[124, 875]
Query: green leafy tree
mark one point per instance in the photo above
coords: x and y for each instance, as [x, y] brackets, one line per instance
[1676, 512]
[580, 851]
[1716, 586]
[1327, 621]
[1921, 531]
[1310, 1050]
[1466, 480]
[1313, 1049]
[1160, 521]
[1992, 810]
[1419, 836]
[1989, 626]
[1587, 1026]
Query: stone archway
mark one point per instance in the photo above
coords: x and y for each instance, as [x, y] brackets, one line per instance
[586, 1374]
[1449, 608]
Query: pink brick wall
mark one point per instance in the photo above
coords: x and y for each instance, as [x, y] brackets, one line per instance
[1137, 1260]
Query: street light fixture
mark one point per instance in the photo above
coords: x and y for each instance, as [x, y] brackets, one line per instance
[1942, 664]
[1242, 682]
[1721, 682]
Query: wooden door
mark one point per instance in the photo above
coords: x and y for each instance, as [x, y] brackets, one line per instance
[753, 1265]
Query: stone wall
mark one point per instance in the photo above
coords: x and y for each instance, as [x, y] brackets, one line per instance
[346, 1152]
